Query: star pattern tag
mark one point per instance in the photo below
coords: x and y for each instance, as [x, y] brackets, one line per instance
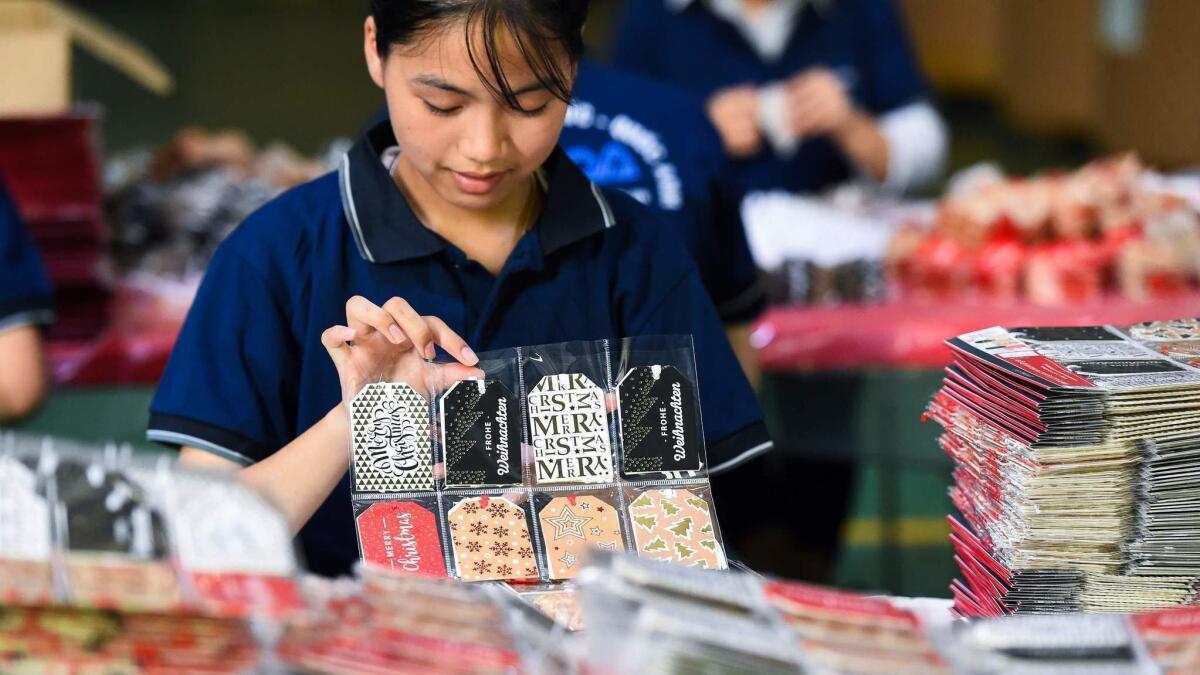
[481, 432]
[491, 542]
[569, 430]
[572, 527]
[389, 430]
[402, 537]
[676, 526]
[660, 429]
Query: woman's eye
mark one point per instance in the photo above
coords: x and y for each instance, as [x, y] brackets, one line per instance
[444, 112]
[533, 112]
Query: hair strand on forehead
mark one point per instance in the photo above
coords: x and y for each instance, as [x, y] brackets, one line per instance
[542, 31]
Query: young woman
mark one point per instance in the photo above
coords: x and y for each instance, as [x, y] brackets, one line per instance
[456, 224]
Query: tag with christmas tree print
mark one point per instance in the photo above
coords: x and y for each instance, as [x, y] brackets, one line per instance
[569, 430]
[660, 429]
[389, 429]
[481, 433]
[676, 526]
[490, 539]
[572, 527]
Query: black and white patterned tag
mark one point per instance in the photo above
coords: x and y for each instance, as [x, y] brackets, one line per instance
[660, 429]
[389, 429]
[568, 426]
[480, 421]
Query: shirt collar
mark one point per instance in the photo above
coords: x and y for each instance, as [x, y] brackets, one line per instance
[386, 230]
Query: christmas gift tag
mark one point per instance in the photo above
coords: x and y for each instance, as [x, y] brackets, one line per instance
[116, 540]
[571, 526]
[390, 436]
[676, 526]
[660, 427]
[569, 430]
[490, 538]
[481, 433]
[221, 526]
[401, 536]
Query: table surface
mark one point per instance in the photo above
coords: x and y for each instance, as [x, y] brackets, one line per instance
[913, 334]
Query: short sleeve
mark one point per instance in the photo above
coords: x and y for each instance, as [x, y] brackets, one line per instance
[25, 293]
[893, 76]
[672, 301]
[231, 384]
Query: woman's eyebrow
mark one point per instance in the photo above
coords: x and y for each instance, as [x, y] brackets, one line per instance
[439, 83]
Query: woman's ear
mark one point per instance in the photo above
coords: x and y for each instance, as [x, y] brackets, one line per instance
[371, 52]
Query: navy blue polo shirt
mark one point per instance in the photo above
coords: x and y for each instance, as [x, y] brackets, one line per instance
[863, 41]
[25, 294]
[249, 374]
[653, 141]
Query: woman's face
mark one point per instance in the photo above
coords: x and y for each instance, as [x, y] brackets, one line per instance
[471, 149]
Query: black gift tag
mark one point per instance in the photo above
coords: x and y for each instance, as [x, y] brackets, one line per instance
[480, 432]
[659, 426]
[108, 512]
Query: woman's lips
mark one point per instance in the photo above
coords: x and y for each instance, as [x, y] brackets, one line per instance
[477, 183]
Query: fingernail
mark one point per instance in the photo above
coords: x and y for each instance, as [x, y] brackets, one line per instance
[430, 351]
[397, 334]
[469, 357]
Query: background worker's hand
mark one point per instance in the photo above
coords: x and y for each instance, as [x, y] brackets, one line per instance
[734, 112]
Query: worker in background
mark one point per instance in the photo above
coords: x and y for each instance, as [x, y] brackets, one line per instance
[806, 94]
[25, 307]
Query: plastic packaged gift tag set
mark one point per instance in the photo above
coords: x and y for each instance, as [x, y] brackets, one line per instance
[109, 530]
[557, 451]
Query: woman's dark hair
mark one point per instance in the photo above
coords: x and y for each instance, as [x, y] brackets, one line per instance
[538, 28]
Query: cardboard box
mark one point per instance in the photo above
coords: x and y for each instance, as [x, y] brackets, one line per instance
[1050, 65]
[957, 43]
[35, 56]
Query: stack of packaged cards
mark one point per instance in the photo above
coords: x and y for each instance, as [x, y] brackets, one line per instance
[647, 618]
[841, 631]
[107, 559]
[1075, 643]
[392, 622]
[1071, 450]
[557, 452]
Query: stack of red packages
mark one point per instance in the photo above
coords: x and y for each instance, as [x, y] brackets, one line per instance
[52, 166]
[1044, 426]
[393, 623]
[846, 632]
[1054, 239]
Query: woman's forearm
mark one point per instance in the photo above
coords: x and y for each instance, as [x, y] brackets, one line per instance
[864, 144]
[302, 474]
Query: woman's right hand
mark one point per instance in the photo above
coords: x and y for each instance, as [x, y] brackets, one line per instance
[391, 344]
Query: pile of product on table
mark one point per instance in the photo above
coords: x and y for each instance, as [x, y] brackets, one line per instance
[1110, 226]
[1077, 452]
[113, 563]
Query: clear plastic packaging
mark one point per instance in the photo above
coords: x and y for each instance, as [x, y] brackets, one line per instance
[90, 527]
[525, 471]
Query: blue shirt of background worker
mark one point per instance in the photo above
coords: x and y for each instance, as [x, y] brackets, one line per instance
[652, 141]
[714, 46]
